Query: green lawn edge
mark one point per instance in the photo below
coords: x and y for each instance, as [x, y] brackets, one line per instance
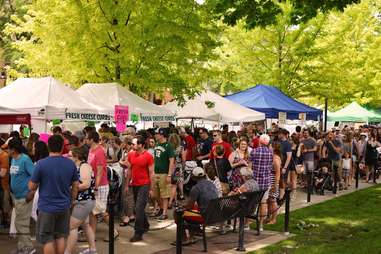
[347, 224]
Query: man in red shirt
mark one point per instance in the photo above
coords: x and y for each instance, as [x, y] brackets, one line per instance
[141, 174]
[217, 138]
[98, 162]
[190, 145]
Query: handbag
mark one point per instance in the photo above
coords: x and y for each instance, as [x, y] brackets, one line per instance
[224, 186]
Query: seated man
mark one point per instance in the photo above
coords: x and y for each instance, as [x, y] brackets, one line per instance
[199, 198]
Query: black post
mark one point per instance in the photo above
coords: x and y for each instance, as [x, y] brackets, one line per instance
[357, 174]
[287, 211]
[334, 189]
[111, 226]
[374, 173]
[241, 237]
[309, 186]
[179, 229]
[325, 114]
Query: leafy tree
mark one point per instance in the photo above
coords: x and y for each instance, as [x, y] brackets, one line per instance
[347, 66]
[7, 9]
[264, 12]
[270, 55]
[334, 55]
[149, 45]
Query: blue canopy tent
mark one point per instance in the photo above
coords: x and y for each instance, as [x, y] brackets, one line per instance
[271, 101]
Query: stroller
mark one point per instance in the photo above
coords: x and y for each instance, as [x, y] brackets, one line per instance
[323, 179]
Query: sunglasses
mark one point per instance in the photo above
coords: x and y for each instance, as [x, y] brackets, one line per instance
[215, 135]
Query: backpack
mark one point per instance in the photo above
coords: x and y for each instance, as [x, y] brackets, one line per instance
[115, 177]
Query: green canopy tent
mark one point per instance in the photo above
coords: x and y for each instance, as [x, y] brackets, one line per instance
[354, 113]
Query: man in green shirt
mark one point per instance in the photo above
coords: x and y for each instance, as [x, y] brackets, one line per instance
[164, 166]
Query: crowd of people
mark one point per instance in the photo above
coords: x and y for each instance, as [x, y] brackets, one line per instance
[64, 183]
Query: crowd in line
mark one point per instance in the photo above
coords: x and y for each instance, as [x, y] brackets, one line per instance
[64, 183]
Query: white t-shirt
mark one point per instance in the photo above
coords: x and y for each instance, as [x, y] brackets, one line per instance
[347, 163]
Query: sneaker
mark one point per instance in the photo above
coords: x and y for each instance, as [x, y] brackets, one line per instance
[88, 251]
[163, 218]
[136, 238]
[157, 214]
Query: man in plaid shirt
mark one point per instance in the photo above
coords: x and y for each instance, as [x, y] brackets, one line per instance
[262, 161]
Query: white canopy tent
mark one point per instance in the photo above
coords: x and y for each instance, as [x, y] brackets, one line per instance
[48, 99]
[110, 94]
[213, 107]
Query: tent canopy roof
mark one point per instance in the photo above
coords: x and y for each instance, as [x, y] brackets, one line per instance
[47, 92]
[110, 94]
[271, 101]
[220, 109]
[353, 113]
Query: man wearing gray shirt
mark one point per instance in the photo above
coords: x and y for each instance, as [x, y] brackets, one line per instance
[309, 148]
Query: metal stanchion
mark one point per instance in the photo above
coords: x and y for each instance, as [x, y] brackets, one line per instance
[357, 174]
[309, 186]
[374, 173]
[111, 226]
[180, 229]
[241, 229]
[287, 212]
[334, 190]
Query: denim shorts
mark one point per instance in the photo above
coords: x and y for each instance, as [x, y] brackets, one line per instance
[52, 226]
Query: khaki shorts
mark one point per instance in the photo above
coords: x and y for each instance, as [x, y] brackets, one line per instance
[161, 188]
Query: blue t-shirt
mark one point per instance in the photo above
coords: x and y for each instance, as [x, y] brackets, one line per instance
[55, 175]
[21, 171]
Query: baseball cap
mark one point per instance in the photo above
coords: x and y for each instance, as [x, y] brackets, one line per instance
[264, 139]
[198, 172]
[163, 131]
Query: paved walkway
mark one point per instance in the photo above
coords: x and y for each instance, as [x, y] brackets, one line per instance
[162, 234]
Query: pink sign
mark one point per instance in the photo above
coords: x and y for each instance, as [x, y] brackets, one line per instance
[44, 137]
[121, 117]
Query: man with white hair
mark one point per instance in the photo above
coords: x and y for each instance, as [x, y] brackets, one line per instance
[262, 161]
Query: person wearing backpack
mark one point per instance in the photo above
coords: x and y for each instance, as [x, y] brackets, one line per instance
[98, 162]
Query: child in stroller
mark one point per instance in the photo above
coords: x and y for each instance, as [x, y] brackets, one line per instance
[323, 179]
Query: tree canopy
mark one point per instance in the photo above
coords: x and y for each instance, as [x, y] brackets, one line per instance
[334, 55]
[147, 45]
[309, 49]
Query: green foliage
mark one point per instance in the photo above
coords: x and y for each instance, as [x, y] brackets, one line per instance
[270, 55]
[263, 12]
[346, 66]
[335, 55]
[9, 8]
[149, 45]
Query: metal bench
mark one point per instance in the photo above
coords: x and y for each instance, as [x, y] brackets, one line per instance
[229, 208]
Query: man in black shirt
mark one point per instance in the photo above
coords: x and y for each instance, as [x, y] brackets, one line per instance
[204, 145]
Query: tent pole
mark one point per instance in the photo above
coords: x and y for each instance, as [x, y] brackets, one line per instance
[325, 114]
[46, 119]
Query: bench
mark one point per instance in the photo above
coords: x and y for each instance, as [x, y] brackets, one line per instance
[231, 207]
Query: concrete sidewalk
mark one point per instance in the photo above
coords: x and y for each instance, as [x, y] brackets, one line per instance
[158, 239]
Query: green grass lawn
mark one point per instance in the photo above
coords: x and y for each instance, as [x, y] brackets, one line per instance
[348, 224]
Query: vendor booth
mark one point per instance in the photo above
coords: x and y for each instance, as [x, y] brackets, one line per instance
[271, 101]
[108, 95]
[9, 116]
[48, 99]
[354, 113]
[213, 107]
